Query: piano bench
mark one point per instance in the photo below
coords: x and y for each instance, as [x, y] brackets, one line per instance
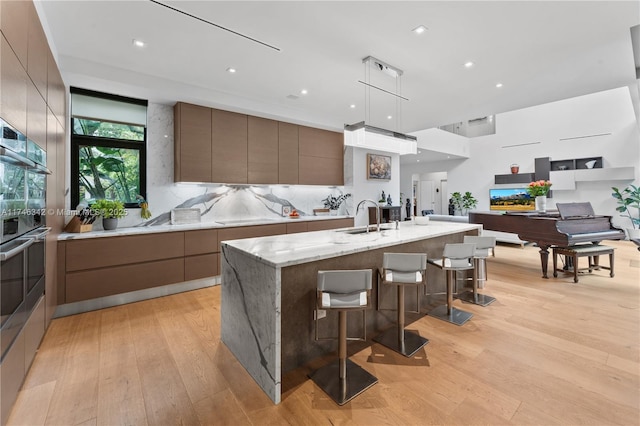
[593, 251]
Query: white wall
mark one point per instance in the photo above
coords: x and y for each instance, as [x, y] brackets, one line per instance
[609, 112]
[362, 188]
[443, 141]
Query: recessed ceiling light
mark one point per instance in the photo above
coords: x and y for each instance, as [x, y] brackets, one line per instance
[304, 91]
[419, 152]
[418, 161]
[389, 117]
[352, 106]
[231, 70]
[499, 85]
[420, 29]
[468, 64]
[138, 43]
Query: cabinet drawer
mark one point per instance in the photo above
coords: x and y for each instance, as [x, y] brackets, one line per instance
[12, 376]
[102, 252]
[87, 285]
[202, 266]
[293, 228]
[33, 333]
[201, 242]
[322, 225]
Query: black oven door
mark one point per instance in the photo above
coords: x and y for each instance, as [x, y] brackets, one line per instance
[12, 290]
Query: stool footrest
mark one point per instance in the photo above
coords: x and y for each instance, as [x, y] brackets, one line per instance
[411, 343]
[457, 316]
[343, 390]
[478, 299]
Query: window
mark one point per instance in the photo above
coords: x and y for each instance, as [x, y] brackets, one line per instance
[108, 148]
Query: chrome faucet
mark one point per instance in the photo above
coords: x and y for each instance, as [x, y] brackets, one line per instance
[361, 203]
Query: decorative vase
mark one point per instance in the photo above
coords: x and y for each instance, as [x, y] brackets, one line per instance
[109, 224]
[541, 203]
[333, 212]
[515, 169]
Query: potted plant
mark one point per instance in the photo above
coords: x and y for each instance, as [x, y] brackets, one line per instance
[456, 200]
[539, 189]
[468, 202]
[629, 198]
[333, 203]
[111, 211]
[463, 202]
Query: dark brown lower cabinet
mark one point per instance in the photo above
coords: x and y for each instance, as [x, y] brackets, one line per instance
[99, 267]
[84, 285]
[201, 266]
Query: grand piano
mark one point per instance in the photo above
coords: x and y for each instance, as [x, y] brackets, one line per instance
[572, 224]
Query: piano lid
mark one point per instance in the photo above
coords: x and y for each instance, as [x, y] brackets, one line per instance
[575, 210]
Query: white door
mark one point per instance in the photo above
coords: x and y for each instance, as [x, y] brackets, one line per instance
[426, 196]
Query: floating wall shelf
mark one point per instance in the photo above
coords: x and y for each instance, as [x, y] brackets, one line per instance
[566, 179]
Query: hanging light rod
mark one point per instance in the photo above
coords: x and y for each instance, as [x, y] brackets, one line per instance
[215, 25]
[382, 90]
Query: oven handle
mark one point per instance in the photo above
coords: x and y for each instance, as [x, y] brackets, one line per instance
[40, 235]
[9, 254]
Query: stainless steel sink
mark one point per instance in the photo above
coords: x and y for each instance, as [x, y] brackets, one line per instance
[356, 231]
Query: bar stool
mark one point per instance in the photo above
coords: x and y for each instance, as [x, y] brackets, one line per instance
[403, 269]
[456, 257]
[343, 291]
[483, 245]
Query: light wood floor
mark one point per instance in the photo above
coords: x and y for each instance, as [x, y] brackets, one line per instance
[547, 352]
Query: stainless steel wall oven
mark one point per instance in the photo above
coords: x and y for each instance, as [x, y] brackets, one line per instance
[22, 257]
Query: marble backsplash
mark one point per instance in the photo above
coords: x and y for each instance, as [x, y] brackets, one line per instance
[216, 202]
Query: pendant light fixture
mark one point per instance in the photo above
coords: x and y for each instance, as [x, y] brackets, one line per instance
[365, 135]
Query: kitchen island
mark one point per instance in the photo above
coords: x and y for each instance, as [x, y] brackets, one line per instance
[269, 288]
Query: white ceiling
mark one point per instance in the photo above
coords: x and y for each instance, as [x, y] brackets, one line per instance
[539, 51]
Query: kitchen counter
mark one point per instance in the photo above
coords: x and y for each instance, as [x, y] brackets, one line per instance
[223, 223]
[269, 289]
[294, 249]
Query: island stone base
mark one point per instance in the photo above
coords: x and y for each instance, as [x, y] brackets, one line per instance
[268, 311]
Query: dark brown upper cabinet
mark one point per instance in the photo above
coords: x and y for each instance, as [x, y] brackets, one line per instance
[246, 149]
[262, 160]
[287, 153]
[13, 81]
[229, 147]
[321, 157]
[37, 55]
[192, 143]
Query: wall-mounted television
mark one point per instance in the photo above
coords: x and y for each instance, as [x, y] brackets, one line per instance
[511, 199]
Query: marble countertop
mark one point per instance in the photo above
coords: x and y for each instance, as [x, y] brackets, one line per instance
[223, 223]
[293, 249]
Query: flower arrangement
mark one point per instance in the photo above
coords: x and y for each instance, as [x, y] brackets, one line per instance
[539, 187]
[333, 203]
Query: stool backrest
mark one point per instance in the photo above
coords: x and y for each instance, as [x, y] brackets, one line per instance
[483, 244]
[458, 255]
[404, 267]
[344, 281]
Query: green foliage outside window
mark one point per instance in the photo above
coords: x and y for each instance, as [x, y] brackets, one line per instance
[108, 172]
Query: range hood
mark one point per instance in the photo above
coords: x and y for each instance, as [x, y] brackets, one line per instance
[361, 135]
